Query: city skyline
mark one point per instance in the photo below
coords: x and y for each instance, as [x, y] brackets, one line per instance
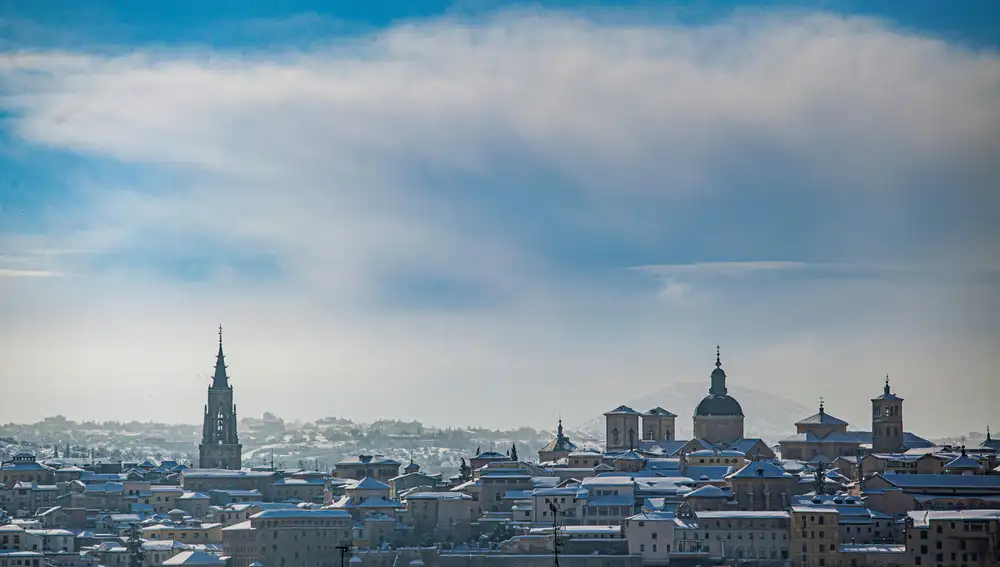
[495, 215]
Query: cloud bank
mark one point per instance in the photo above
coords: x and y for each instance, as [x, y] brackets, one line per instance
[392, 223]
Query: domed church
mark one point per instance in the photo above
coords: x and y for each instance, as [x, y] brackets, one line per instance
[718, 425]
[719, 417]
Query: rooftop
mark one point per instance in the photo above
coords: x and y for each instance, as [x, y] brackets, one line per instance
[299, 513]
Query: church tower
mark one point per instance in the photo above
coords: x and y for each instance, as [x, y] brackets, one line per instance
[887, 421]
[719, 417]
[220, 447]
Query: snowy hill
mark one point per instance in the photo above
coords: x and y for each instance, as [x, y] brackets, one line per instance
[768, 416]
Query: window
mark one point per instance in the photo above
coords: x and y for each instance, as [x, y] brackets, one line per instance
[642, 547]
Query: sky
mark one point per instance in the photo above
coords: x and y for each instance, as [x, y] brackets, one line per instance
[495, 214]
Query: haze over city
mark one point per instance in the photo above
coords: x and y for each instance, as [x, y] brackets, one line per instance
[494, 215]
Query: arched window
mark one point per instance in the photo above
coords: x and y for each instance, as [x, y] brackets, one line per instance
[614, 434]
[666, 436]
[651, 435]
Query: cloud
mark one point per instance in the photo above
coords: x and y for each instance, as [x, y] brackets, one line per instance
[452, 206]
[13, 273]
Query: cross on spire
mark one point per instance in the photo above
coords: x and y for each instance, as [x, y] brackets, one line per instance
[821, 404]
[220, 380]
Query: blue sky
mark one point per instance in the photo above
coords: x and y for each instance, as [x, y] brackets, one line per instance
[425, 194]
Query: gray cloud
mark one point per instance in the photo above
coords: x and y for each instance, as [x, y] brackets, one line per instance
[365, 160]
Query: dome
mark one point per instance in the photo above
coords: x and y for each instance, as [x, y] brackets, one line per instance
[714, 404]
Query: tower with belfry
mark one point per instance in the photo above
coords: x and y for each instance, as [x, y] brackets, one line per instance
[220, 446]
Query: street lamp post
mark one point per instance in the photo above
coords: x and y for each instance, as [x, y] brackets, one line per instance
[555, 531]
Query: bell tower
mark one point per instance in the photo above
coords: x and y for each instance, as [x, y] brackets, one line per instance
[220, 447]
[887, 421]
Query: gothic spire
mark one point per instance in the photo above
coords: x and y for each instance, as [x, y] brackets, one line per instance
[220, 381]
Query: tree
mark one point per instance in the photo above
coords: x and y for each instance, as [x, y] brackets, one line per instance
[136, 554]
[464, 470]
[502, 532]
[513, 452]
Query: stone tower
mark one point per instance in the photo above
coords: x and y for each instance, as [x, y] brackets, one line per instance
[622, 424]
[658, 425]
[887, 422]
[220, 447]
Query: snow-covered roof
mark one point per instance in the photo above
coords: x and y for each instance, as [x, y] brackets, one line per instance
[922, 518]
[742, 514]
[963, 462]
[919, 481]
[378, 460]
[709, 491]
[760, 469]
[658, 411]
[716, 453]
[622, 410]
[223, 473]
[438, 496]
[821, 418]
[368, 483]
[193, 558]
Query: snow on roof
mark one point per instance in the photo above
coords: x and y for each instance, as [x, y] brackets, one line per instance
[873, 548]
[922, 518]
[223, 473]
[709, 491]
[491, 456]
[194, 496]
[378, 460]
[622, 410]
[708, 472]
[299, 513]
[742, 514]
[658, 411]
[193, 558]
[716, 453]
[821, 418]
[368, 483]
[760, 469]
[963, 462]
[438, 496]
[915, 481]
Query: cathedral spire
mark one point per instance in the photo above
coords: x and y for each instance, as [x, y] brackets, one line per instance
[220, 381]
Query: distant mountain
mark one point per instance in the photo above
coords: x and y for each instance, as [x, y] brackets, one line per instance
[768, 416]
